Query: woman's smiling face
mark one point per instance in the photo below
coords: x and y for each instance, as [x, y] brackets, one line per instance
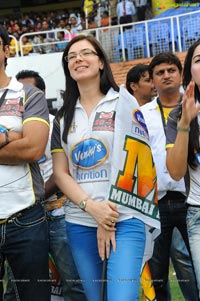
[83, 61]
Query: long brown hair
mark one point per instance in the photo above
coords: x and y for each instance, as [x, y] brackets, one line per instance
[71, 93]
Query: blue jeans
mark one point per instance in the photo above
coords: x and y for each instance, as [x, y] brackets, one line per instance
[172, 214]
[123, 266]
[193, 226]
[24, 243]
[62, 255]
[183, 267]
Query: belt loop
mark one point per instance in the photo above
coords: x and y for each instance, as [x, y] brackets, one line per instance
[17, 214]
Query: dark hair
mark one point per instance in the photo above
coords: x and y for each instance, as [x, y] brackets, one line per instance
[134, 75]
[164, 57]
[39, 82]
[62, 33]
[42, 35]
[5, 39]
[193, 145]
[68, 24]
[71, 93]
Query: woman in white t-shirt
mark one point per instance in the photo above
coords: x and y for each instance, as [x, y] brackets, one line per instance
[82, 144]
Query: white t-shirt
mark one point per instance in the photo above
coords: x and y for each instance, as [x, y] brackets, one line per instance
[157, 140]
[46, 167]
[89, 150]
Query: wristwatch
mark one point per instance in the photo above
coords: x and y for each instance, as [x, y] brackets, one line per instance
[83, 204]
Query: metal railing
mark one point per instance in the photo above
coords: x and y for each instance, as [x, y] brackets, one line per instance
[49, 41]
[150, 37]
[143, 39]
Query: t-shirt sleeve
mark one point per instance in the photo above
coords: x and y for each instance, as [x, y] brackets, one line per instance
[35, 106]
[56, 137]
[171, 128]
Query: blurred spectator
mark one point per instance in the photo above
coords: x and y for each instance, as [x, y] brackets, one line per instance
[26, 46]
[60, 46]
[46, 27]
[9, 30]
[42, 44]
[12, 24]
[62, 23]
[68, 36]
[17, 29]
[14, 46]
[141, 6]
[75, 27]
[38, 26]
[25, 29]
[126, 12]
[36, 44]
[91, 23]
[27, 20]
[105, 20]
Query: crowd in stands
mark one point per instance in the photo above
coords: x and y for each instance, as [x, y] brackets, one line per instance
[38, 22]
[72, 20]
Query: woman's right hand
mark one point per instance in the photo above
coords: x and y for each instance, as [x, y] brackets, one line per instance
[106, 241]
[105, 213]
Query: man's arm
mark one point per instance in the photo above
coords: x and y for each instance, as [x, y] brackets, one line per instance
[29, 148]
[11, 136]
[50, 187]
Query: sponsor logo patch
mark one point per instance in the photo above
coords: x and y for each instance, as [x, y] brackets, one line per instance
[104, 121]
[139, 118]
[89, 153]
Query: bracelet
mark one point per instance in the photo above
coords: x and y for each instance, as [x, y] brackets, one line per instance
[180, 129]
[6, 138]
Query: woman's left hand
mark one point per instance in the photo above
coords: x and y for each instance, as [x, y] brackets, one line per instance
[190, 108]
[106, 240]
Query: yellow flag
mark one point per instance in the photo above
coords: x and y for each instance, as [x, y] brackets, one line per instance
[88, 6]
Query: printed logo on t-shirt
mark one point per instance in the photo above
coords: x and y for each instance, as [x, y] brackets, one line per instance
[139, 126]
[12, 107]
[104, 121]
[89, 153]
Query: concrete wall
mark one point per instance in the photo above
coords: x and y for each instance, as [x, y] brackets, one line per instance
[49, 67]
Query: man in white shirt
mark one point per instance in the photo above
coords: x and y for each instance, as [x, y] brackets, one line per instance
[126, 12]
[141, 6]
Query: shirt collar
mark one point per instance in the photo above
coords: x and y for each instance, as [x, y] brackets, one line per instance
[14, 85]
[111, 94]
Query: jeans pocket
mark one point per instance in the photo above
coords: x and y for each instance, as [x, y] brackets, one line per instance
[32, 217]
[21, 223]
